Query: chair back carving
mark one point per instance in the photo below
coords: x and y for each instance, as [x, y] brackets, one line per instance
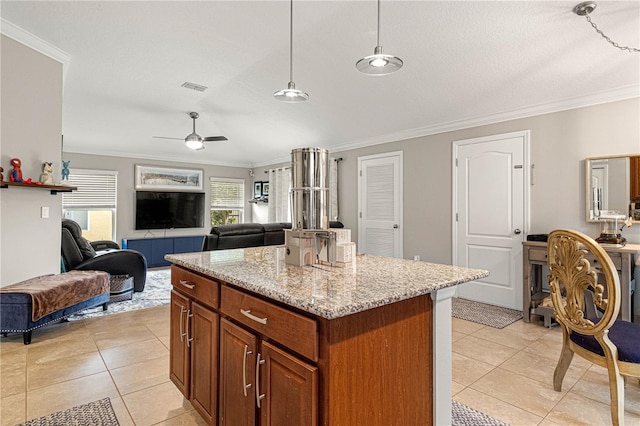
[571, 275]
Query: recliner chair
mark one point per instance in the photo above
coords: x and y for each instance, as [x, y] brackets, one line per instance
[80, 254]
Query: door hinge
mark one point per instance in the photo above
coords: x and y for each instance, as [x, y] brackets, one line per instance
[360, 215]
[517, 166]
[456, 162]
[360, 172]
[456, 217]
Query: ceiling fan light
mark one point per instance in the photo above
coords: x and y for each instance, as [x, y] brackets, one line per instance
[194, 141]
[291, 94]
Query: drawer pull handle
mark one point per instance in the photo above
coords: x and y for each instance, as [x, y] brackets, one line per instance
[259, 397]
[249, 315]
[182, 332]
[189, 339]
[245, 385]
[187, 285]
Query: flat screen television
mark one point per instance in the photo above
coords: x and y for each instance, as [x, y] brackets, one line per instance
[166, 210]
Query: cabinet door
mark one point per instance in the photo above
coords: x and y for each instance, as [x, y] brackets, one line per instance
[238, 351]
[290, 389]
[179, 353]
[635, 177]
[203, 334]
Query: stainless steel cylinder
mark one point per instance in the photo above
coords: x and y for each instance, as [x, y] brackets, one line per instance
[310, 188]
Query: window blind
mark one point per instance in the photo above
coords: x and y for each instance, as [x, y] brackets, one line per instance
[227, 193]
[96, 188]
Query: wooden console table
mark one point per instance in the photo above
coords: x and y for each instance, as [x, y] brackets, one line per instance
[535, 256]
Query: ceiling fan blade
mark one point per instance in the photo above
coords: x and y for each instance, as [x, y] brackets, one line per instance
[215, 138]
[165, 137]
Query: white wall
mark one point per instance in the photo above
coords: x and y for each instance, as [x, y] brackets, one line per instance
[125, 225]
[31, 116]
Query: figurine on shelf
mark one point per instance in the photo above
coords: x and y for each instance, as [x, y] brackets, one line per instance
[16, 172]
[47, 173]
[1, 175]
[65, 170]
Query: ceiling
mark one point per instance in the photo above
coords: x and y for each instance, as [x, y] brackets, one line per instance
[466, 64]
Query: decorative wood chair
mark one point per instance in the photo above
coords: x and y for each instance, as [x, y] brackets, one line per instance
[601, 338]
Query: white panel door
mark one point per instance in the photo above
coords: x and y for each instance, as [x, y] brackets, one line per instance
[490, 202]
[380, 204]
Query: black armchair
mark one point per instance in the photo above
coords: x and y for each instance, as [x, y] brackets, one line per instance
[80, 254]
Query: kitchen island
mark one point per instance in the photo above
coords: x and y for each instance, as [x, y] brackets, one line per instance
[256, 341]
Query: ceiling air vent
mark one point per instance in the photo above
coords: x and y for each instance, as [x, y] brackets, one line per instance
[194, 86]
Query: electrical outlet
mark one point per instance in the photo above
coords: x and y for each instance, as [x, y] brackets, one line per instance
[45, 212]
[416, 257]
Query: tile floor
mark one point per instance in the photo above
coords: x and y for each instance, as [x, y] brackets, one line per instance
[504, 373]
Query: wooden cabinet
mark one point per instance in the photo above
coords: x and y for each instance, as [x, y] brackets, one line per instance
[194, 342]
[278, 365]
[256, 375]
[634, 163]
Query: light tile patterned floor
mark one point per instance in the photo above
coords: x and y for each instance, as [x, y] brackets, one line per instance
[503, 373]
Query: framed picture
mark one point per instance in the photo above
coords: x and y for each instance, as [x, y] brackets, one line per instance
[265, 189]
[257, 189]
[167, 178]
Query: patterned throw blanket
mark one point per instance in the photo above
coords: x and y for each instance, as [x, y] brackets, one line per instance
[50, 293]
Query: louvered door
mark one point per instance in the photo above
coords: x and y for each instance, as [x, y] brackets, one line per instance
[380, 204]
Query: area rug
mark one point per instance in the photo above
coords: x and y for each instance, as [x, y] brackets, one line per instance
[461, 415]
[92, 414]
[157, 291]
[481, 313]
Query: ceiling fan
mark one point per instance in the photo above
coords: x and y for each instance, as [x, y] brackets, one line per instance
[194, 140]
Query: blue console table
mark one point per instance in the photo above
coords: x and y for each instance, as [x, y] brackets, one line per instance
[154, 249]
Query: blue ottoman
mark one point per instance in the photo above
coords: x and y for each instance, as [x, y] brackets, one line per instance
[39, 301]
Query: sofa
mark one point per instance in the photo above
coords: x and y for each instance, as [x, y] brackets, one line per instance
[80, 254]
[242, 235]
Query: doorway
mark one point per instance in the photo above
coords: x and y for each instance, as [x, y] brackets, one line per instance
[490, 209]
[380, 204]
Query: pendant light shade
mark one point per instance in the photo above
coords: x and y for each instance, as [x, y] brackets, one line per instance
[291, 94]
[379, 63]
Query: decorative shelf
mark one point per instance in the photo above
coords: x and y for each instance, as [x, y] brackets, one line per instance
[259, 200]
[53, 188]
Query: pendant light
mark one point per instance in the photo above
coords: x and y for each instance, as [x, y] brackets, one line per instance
[379, 63]
[291, 94]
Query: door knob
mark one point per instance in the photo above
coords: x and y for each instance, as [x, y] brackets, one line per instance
[395, 226]
[517, 231]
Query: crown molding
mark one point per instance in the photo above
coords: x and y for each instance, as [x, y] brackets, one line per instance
[120, 154]
[21, 35]
[619, 94]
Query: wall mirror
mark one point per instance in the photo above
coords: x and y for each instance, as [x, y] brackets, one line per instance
[613, 184]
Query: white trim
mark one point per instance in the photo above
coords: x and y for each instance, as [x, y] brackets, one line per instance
[442, 350]
[34, 42]
[93, 172]
[620, 94]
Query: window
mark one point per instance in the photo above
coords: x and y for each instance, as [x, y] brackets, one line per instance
[227, 201]
[93, 205]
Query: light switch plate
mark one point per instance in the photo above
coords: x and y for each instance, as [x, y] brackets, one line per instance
[45, 212]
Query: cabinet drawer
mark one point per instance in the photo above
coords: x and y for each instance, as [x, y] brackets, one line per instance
[539, 254]
[616, 258]
[295, 331]
[204, 290]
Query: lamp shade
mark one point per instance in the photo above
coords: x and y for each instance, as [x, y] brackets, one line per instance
[291, 94]
[379, 63]
[194, 141]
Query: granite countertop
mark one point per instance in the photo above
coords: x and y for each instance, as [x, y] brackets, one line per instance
[367, 283]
